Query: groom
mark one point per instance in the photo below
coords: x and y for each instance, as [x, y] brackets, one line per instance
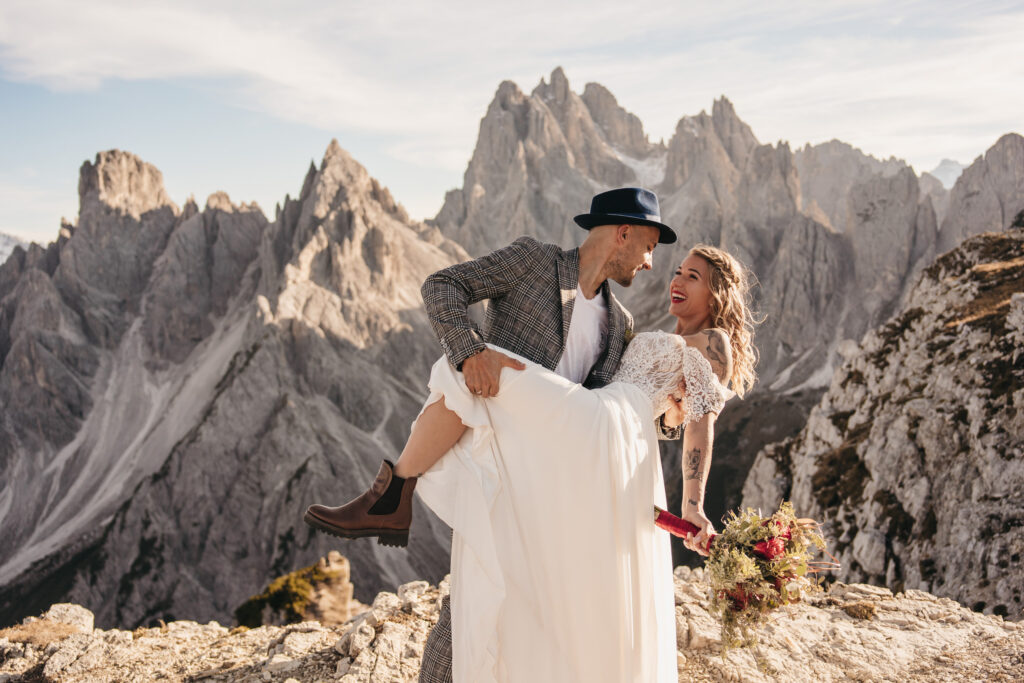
[551, 306]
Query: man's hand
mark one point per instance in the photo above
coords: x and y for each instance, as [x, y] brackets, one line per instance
[675, 414]
[483, 370]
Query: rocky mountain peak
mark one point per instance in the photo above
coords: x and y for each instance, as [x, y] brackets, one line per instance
[947, 172]
[987, 195]
[341, 173]
[219, 201]
[120, 181]
[125, 218]
[557, 90]
[508, 93]
[348, 252]
[7, 245]
[537, 162]
[736, 136]
[622, 129]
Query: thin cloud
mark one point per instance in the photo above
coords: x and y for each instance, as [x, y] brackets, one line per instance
[881, 75]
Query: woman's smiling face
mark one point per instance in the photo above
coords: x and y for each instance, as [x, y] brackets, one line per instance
[689, 293]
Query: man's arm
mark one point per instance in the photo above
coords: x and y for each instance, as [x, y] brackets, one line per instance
[448, 293]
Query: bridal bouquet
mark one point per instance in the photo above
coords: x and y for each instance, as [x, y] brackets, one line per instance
[755, 565]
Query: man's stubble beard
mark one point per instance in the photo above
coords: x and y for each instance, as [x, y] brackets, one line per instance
[621, 273]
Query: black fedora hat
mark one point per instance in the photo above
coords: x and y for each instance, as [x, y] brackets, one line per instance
[626, 206]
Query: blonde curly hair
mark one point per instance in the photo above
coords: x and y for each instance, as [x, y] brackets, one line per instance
[730, 283]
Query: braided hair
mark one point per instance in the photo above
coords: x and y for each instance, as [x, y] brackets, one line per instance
[730, 282]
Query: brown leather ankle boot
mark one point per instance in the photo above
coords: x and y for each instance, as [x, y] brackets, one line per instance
[358, 518]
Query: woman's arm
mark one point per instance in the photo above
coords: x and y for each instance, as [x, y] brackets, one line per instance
[698, 438]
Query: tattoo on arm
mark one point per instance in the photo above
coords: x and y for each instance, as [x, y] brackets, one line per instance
[692, 502]
[717, 352]
[694, 463]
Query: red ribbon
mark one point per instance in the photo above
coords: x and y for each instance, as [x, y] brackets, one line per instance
[677, 526]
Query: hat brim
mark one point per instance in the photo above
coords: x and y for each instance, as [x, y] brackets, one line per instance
[592, 220]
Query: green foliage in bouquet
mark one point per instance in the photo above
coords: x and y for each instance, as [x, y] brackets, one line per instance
[759, 563]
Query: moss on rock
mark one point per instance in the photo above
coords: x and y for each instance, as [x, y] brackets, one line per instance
[288, 595]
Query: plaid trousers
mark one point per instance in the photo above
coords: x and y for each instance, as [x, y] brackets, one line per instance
[437, 653]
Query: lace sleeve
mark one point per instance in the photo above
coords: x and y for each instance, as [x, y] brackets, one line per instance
[655, 361]
[704, 393]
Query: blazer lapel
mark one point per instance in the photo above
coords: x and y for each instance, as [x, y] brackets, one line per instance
[568, 282]
[616, 327]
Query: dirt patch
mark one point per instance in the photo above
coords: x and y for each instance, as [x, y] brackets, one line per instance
[997, 282]
[861, 609]
[39, 633]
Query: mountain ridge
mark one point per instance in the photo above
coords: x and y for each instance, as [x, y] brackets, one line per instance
[188, 379]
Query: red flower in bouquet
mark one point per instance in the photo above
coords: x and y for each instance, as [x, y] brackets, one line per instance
[771, 548]
[739, 598]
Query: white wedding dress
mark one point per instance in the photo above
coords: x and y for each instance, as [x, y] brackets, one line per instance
[558, 571]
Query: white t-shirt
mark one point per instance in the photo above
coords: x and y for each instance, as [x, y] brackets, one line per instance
[588, 336]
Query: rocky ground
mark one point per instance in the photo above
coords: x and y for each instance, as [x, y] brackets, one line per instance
[853, 632]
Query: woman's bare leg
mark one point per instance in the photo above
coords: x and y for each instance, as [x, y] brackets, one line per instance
[436, 431]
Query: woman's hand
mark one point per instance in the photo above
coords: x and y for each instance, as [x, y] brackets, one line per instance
[698, 542]
[676, 413]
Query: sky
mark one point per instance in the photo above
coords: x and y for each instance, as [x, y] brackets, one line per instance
[242, 96]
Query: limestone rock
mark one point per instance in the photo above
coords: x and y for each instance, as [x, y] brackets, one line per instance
[913, 457]
[736, 136]
[198, 273]
[67, 613]
[882, 226]
[124, 221]
[621, 129]
[905, 636]
[987, 195]
[533, 164]
[829, 170]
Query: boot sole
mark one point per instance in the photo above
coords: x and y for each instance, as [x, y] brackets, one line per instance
[395, 538]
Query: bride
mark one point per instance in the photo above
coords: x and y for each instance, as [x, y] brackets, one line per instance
[558, 571]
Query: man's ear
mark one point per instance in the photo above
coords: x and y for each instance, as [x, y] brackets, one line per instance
[622, 234]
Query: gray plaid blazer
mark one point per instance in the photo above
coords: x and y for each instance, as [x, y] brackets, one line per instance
[531, 288]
